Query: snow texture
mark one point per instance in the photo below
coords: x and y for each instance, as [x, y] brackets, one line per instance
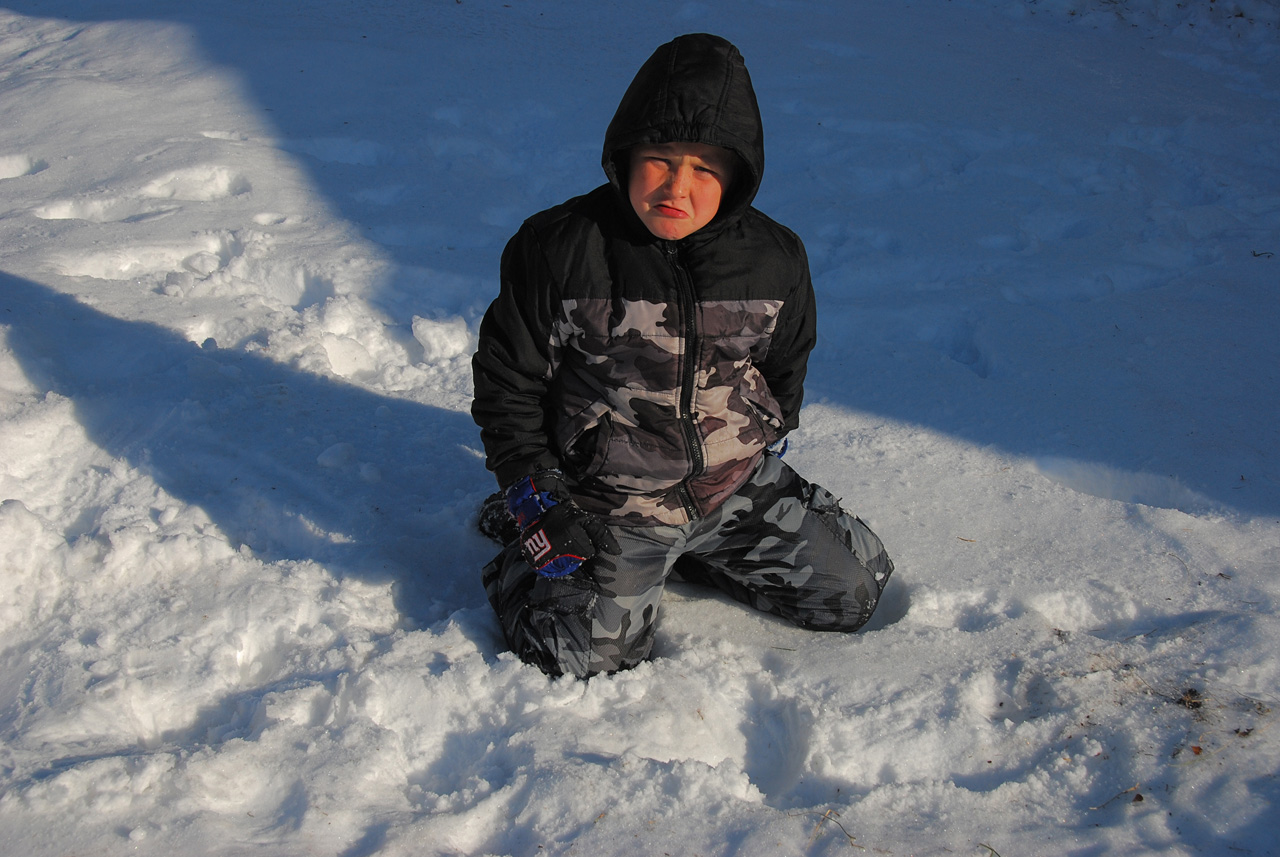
[244, 248]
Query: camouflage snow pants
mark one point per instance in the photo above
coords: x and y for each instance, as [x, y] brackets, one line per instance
[780, 544]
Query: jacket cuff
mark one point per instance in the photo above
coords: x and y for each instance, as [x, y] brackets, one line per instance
[512, 471]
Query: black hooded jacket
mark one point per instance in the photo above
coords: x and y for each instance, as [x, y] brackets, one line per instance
[652, 372]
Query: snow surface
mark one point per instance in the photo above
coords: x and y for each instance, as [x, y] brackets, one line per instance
[244, 248]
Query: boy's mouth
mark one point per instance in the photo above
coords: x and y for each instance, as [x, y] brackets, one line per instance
[669, 210]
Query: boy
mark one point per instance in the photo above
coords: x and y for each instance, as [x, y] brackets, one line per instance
[648, 346]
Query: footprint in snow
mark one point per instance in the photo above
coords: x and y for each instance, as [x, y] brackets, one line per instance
[17, 166]
[157, 198]
[198, 184]
[779, 730]
[106, 209]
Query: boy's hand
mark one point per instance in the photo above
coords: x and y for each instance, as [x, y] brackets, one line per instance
[556, 536]
[563, 539]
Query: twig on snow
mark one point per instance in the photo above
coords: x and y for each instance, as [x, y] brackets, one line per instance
[831, 815]
[1132, 788]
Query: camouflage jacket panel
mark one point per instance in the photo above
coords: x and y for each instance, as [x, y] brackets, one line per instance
[628, 429]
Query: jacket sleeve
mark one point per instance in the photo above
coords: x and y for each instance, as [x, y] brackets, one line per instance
[512, 367]
[794, 336]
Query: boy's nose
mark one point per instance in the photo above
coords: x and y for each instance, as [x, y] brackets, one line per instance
[681, 176]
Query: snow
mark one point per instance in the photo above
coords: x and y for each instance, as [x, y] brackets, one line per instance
[244, 248]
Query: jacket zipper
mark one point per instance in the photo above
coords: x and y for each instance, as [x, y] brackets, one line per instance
[688, 308]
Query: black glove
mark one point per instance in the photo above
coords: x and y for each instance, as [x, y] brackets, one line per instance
[556, 536]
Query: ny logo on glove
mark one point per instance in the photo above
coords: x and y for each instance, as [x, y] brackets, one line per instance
[556, 536]
[537, 546]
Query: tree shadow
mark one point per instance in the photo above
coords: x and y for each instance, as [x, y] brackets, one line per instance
[294, 466]
[436, 153]
[1079, 390]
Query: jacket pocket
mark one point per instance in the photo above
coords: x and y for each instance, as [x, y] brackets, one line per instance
[766, 413]
[585, 451]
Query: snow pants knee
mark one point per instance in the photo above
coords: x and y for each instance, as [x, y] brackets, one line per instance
[780, 544]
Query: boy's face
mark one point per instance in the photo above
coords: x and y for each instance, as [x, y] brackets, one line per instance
[676, 188]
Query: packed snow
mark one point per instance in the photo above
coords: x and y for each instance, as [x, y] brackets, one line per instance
[244, 248]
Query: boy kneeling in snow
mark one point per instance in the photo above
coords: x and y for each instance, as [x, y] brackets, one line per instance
[647, 348]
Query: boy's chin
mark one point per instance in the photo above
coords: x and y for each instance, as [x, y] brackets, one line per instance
[670, 229]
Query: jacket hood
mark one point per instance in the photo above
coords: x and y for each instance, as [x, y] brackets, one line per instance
[694, 89]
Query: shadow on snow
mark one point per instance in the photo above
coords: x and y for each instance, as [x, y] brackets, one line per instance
[293, 465]
[457, 150]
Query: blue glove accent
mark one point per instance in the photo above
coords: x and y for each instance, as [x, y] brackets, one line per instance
[778, 447]
[561, 566]
[527, 503]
